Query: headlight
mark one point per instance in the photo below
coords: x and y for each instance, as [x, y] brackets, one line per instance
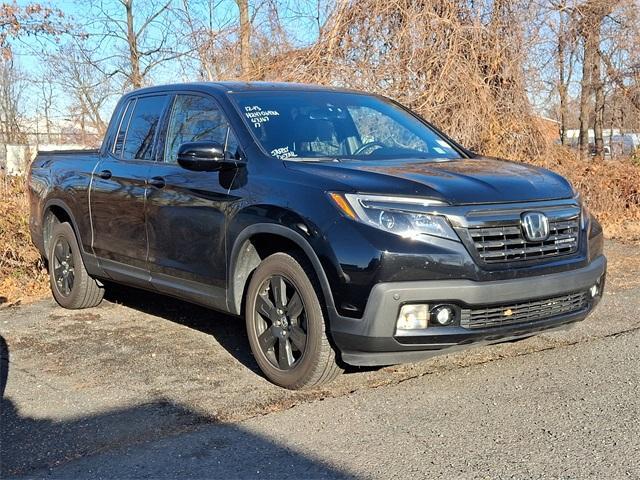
[399, 215]
[584, 212]
[584, 216]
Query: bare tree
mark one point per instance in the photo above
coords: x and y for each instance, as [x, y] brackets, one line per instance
[474, 68]
[74, 72]
[591, 15]
[598, 117]
[46, 90]
[565, 50]
[209, 32]
[457, 63]
[18, 22]
[135, 76]
[245, 37]
[219, 40]
[32, 19]
[142, 34]
[620, 53]
[10, 99]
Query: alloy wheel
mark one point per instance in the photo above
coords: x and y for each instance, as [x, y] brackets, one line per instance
[63, 267]
[280, 322]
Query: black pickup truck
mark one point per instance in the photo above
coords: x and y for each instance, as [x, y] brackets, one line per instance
[344, 228]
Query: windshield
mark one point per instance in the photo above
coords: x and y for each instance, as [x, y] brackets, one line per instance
[320, 125]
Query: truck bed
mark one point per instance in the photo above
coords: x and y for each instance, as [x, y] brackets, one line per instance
[68, 152]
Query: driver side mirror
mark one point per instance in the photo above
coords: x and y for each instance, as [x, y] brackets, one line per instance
[201, 156]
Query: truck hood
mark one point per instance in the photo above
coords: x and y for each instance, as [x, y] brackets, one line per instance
[459, 181]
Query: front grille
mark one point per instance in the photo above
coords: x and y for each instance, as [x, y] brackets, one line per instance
[505, 243]
[495, 316]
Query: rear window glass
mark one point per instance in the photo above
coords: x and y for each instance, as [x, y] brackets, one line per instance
[122, 129]
[142, 127]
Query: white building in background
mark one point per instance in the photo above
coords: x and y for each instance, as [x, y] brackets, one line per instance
[62, 134]
[59, 131]
[15, 159]
[607, 132]
[616, 142]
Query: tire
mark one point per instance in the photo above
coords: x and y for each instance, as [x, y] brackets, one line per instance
[301, 364]
[71, 285]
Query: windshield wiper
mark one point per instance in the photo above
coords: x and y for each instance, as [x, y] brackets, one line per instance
[313, 159]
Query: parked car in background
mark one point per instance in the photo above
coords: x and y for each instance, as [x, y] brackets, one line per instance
[344, 228]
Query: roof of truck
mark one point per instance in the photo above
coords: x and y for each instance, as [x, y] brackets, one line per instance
[228, 87]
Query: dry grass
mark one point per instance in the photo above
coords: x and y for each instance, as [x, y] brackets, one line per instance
[611, 190]
[22, 273]
[459, 64]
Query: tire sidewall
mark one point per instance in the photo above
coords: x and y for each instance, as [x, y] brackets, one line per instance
[286, 266]
[64, 230]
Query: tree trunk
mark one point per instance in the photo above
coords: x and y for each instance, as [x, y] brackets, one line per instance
[598, 86]
[562, 89]
[245, 38]
[9, 94]
[593, 14]
[564, 47]
[132, 40]
[47, 93]
[47, 121]
[83, 130]
[92, 111]
[586, 87]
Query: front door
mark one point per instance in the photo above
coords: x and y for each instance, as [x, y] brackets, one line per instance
[187, 210]
[119, 189]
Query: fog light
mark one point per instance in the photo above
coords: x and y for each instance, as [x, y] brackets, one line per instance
[443, 315]
[593, 291]
[413, 317]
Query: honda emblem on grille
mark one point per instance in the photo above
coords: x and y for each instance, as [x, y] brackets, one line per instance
[535, 226]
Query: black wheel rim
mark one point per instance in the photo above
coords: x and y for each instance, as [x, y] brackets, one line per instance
[63, 267]
[281, 322]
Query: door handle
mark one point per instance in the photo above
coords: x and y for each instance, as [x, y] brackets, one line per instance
[157, 182]
[105, 174]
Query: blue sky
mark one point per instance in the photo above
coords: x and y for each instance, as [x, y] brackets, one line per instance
[28, 50]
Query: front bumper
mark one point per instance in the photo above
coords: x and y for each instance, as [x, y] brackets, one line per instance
[371, 339]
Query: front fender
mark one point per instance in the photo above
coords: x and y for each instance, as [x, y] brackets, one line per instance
[299, 233]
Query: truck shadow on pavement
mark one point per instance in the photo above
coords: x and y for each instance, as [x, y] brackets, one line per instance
[4, 366]
[159, 439]
[229, 331]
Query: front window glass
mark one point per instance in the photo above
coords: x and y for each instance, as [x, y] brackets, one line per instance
[321, 125]
[196, 119]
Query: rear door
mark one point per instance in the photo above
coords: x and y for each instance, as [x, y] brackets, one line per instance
[187, 210]
[118, 192]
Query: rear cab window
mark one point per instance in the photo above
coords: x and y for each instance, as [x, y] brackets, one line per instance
[122, 128]
[138, 128]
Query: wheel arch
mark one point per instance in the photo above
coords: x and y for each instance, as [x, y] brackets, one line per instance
[56, 210]
[260, 240]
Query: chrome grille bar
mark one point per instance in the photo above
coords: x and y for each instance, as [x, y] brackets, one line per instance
[505, 243]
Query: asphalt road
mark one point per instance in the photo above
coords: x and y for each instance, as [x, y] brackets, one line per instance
[572, 412]
[144, 387]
